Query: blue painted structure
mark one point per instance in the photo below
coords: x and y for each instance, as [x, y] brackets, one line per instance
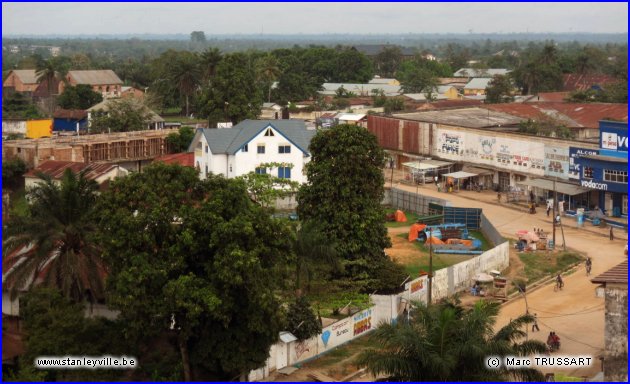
[607, 172]
[69, 124]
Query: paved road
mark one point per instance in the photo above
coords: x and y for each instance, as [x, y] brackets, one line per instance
[574, 313]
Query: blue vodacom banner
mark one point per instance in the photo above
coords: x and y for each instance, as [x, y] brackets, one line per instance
[574, 154]
[613, 136]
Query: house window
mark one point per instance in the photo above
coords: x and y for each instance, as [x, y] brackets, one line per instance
[284, 149]
[245, 148]
[616, 176]
[261, 148]
[206, 170]
[269, 132]
[207, 149]
[588, 172]
[284, 172]
[261, 171]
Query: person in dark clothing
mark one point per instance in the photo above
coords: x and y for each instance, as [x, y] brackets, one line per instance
[611, 234]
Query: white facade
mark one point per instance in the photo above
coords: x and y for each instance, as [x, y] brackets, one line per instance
[277, 149]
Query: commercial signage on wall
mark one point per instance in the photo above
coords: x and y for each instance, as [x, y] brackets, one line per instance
[557, 162]
[614, 139]
[574, 154]
[345, 330]
[524, 155]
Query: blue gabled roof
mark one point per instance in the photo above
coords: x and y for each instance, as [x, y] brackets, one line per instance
[231, 140]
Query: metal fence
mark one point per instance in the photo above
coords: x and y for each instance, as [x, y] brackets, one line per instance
[412, 202]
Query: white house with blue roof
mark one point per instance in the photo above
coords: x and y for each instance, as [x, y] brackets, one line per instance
[244, 148]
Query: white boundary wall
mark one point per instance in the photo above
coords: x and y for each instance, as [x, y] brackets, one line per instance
[387, 308]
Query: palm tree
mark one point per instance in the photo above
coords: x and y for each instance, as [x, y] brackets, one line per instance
[186, 75]
[268, 70]
[448, 343]
[209, 60]
[46, 71]
[549, 55]
[313, 249]
[53, 242]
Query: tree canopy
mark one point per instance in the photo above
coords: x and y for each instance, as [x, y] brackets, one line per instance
[499, 90]
[79, 97]
[344, 194]
[122, 115]
[207, 262]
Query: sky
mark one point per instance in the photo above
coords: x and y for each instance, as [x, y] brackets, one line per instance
[311, 18]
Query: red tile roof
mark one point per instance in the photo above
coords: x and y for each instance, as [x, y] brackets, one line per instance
[573, 114]
[617, 274]
[186, 159]
[443, 104]
[56, 168]
[76, 114]
[581, 82]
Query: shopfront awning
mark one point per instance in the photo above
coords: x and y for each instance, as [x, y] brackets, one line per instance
[459, 175]
[427, 165]
[564, 188]
[478, 171]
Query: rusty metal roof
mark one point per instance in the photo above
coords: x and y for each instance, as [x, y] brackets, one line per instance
[77, 114]
[585, 115]
[26, 76]
[56, 168]
[617, 274]
[186, 159]
[583, 82]
[95, 77]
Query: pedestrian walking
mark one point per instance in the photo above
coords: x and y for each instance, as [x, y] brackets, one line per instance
[499, 196]
[548, 210]
[612, 237]
[535, 325]
[589, 265]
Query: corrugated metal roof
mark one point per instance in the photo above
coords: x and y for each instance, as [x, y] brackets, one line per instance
[56, 168]
[488, 73]
[617, 274]
[95, 77]
[76, 114]
[572, 114]
[360, 89]
[186, 159]
[107, 103]
[582, 82]
[478, 83]
[231, 140]
[463, 117]
[26, 76]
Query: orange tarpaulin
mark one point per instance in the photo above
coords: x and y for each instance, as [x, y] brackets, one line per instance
[433, 240]
[414, 230]
[400, 216]
[467, 243]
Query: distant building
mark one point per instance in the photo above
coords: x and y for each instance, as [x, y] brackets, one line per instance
[381, 80]
[361, 89]
[614, 284]
[186, 159]
[572, 82]
[70, 120]
[101, 173]
[271, 111]
[126, 91]
[477, 86]
[486, 73]
[20, 80]
[242, 149]
[103, 81]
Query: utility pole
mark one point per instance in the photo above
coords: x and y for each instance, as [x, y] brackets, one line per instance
[555, 208]
[429, 295]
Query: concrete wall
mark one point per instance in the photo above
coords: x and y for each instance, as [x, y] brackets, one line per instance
[490, 232]
[616, 356]
[13, 127]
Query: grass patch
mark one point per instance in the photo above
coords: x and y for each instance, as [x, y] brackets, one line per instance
[485, 243]
[421, 262]
[18, 203]
[328, 300]
[539, 265]
[411, 219]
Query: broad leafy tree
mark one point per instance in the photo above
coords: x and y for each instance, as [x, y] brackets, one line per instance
[344, 194]
[499, 90]
[80, 97]
[448, 343]
[122, 115]
[415, 78]
[301, 320]
[180, 141]
[205, 263]
[57, 240]
[387, 61]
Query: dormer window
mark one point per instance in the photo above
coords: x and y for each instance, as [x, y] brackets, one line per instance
[245, 148]
[269, 132]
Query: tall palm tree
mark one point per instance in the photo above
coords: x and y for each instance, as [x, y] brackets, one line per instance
[53, 243]
[186, 74]
[448, 343]
[46, 71]
[268, 71]
[209, 60]
[549, 55]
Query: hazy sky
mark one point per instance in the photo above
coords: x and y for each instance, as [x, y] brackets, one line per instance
[311, 18]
